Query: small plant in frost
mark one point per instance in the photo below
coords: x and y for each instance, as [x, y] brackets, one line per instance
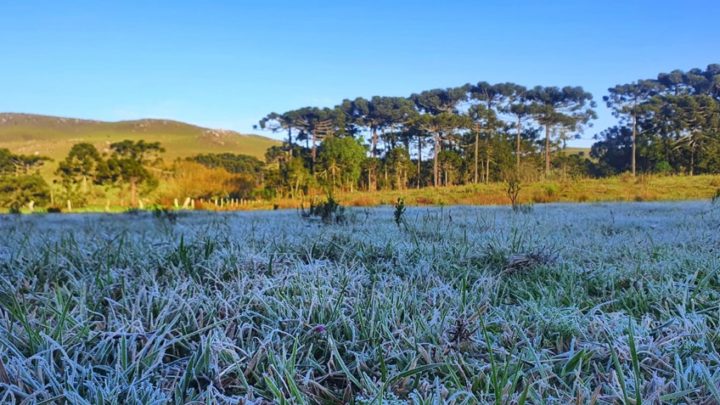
[399, 211]
[329, 211]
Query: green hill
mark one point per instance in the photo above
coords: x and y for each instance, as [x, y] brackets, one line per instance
[577, 151]
[32, 134]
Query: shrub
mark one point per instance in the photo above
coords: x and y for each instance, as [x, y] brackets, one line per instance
[551, 190]
[165, 214]
[399, 211]
[329, 211]
[17, 191]
[194, 180]
[663, 167]
[513, 190]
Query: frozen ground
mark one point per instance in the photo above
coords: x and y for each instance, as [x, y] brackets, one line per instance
[567, 303]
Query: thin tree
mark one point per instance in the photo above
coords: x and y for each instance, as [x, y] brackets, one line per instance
[570, 107]
[628, 102]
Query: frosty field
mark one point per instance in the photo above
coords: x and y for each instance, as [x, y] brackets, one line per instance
[594, 303]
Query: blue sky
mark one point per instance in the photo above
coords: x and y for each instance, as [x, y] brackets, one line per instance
[227, 63]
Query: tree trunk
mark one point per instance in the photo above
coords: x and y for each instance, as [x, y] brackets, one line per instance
[419, 161]
[487, 160]
[314, 151]
[477, 139]
[133, 192]
[517, 147]
[487, 170]
[290, 145]
[634, 148]
[692, 159]
[547, 150]
[436, 152]
[374, 142]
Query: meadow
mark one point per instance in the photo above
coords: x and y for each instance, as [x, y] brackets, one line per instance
[555, 304]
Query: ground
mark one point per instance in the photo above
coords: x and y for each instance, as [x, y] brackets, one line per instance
[557, 303]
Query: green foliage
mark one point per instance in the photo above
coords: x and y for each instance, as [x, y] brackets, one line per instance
[233, 163]
[128, 165]
[18, 191]
[78, 171]
[339, 161]
[663, 167]
[11, 163]
[673, 120]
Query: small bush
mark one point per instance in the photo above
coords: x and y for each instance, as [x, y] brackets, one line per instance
[399, 211]
[329, 211]
[663, 167]
[513, 190]
[165, 214]
[551, 190]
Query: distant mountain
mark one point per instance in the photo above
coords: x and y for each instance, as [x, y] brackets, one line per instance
[32, 134]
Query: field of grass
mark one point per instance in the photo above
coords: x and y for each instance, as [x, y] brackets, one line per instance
[562, 303]
[620, 188]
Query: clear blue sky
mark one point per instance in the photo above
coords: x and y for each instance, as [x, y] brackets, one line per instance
[227, 63]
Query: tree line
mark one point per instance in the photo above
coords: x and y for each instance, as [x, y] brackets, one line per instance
[474, 133]
[128, 170]
[487, 132]
[667, 124]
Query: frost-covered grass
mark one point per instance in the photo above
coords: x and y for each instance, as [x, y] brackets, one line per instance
[595, 303]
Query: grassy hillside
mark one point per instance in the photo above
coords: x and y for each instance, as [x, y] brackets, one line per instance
[577, 151]
[54, 136]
